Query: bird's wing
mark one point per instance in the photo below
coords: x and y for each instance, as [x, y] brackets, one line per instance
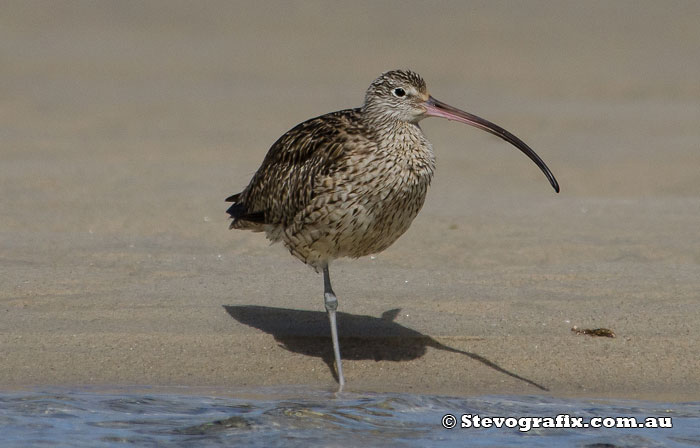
[284, 183]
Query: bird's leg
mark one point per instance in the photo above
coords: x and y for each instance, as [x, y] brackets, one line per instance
[331, 302]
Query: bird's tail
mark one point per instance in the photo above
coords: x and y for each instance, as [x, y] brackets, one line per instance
[242, 219]
[237, 209]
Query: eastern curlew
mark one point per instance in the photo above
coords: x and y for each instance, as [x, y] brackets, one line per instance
[349, 183]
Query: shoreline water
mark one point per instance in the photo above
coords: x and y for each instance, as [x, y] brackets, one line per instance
[297, 417]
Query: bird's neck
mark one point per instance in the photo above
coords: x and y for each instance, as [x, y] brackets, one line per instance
[390, 129]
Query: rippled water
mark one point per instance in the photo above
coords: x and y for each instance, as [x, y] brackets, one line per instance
[303, 417]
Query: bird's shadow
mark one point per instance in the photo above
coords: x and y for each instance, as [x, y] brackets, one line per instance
[363, 337]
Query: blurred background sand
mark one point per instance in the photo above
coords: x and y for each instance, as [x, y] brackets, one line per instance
[125, 125]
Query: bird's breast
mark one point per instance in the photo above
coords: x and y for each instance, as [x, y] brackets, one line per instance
[385, 191]
[365, 204]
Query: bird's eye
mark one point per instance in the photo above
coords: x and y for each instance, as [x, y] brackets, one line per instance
[399, 92]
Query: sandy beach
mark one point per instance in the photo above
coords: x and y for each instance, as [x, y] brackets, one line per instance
[126, 124]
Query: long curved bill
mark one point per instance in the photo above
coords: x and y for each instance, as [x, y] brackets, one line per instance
[435, 108]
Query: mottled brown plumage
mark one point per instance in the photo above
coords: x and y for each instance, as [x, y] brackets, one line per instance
[347, 183]
[350, 183]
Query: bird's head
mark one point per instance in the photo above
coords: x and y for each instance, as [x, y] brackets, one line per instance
[398, 95]
[401, 95]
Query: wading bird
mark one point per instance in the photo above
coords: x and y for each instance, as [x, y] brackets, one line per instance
[349, 183]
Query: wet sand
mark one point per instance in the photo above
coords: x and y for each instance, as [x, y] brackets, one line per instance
[125, 125]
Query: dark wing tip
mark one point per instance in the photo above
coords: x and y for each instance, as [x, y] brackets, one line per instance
[238, 211]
